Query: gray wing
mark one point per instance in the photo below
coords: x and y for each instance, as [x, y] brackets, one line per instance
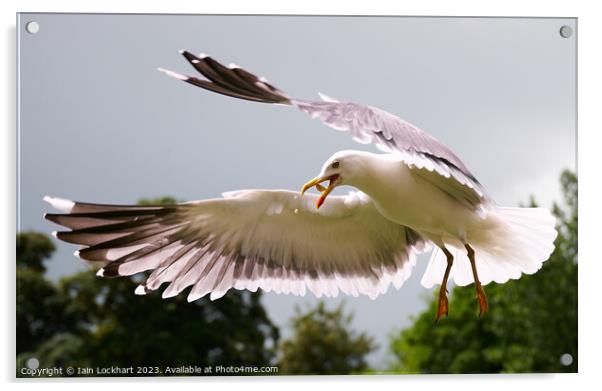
[366, 124]
[369, 124]
[392, 134]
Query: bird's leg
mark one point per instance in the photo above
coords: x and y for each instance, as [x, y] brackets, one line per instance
[443, 306]
[481, 297]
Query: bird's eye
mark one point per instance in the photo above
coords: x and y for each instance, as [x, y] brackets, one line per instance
[335, 165]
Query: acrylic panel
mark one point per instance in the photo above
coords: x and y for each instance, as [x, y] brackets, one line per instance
[98, 123]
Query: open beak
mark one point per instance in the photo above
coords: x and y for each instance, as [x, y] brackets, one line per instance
[317, 182]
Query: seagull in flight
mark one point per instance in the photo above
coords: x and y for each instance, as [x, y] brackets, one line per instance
[414, 196]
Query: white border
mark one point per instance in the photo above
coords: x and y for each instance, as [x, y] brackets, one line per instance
[588, 159]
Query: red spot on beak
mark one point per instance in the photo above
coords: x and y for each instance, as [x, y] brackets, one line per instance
[320, 202]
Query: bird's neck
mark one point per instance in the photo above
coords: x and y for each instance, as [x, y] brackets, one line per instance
[372, 173]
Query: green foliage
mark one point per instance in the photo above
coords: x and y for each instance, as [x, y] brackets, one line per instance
[165, 200]
[531, 323]
[32, 249]
[323, 343]
[40, 310]
[39, 305]
[84, 320]
[59, 350]
[148, 330]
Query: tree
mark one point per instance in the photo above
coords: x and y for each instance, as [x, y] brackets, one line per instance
[39, 303]
[32, 249]
[151, 331]
[532, 324]
[322, 343]
[84, 320]
[165, 200]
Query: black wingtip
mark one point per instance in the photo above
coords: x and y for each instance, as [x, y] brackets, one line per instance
[189, 56]
[111, 270]
[230, 80]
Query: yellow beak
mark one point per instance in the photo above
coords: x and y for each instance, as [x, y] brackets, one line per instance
[317, 182]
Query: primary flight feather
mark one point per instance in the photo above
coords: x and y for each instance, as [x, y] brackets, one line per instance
[416, 194]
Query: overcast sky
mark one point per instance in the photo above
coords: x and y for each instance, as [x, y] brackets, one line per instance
[98, 123]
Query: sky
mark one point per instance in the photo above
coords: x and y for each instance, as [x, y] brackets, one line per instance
[98, 123]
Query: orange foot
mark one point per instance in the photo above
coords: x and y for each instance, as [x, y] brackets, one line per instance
[443, 306]
[482, 300]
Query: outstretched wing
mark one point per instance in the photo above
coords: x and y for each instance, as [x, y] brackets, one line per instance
[270, 239]
[366, 124]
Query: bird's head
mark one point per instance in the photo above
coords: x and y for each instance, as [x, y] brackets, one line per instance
[340, 169]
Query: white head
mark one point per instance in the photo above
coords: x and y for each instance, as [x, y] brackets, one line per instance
[342, 168]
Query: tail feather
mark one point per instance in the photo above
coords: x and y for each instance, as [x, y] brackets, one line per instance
[520, 244]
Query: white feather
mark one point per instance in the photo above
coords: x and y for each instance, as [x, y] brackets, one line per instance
[336, 243]
[522, 240]
[60, 203]
[173, 74]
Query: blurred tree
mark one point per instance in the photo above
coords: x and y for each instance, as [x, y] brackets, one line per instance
[322, 343]
[533, 321]
[148, 330]
[32, 249]
[89, 321]
[39, 303]
[165, 200]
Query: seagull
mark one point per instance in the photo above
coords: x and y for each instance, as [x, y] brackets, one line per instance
[413, 196]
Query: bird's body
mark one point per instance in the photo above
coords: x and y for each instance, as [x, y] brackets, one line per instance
[417, 193]
[401, 195]
[509, 240]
